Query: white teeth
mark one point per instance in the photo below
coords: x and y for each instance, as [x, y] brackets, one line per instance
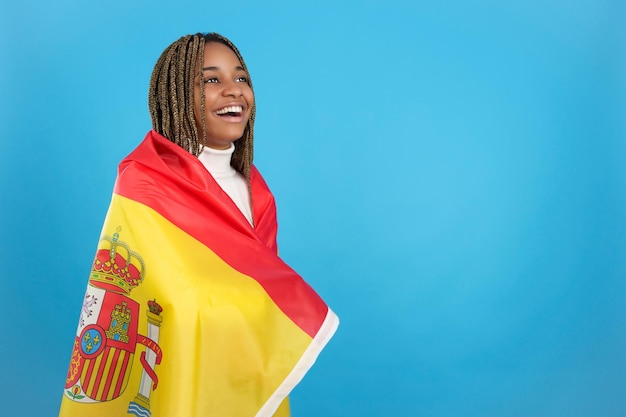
[230, 109]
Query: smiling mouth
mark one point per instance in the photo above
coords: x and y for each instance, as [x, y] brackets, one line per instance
[230, 111]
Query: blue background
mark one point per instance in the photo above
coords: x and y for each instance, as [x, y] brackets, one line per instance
[450, 178]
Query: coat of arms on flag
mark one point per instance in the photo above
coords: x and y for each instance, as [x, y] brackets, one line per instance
[107, 338]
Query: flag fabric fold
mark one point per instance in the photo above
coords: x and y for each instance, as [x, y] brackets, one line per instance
[189, 311]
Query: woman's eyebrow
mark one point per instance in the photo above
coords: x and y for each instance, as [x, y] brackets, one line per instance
[238, 68]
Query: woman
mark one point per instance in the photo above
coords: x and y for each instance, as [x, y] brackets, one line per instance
[189, 311]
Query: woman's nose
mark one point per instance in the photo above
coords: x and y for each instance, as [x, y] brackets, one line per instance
[233, 89]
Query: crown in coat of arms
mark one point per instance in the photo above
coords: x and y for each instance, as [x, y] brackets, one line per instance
[116, 267]
[154, 307]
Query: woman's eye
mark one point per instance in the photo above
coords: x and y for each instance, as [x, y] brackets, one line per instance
[242, 79]
[211, 80]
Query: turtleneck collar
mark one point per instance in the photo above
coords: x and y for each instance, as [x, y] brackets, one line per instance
[217, 161]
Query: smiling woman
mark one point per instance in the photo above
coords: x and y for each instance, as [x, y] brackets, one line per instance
[187, 64]
[189, 311]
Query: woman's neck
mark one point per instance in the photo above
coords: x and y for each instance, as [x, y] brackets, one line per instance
[217, 161]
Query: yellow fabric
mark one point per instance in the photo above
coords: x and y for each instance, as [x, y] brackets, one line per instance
[226, 346]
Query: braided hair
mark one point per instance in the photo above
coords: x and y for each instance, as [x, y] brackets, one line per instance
[171, 98]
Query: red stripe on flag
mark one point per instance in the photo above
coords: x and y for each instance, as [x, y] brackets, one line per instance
[101, 370]
[107, 385]
[122, 375]
[88, 376]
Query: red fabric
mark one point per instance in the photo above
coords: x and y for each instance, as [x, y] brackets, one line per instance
[170, 180]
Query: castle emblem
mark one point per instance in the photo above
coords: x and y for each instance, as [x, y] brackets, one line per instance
[107, 337]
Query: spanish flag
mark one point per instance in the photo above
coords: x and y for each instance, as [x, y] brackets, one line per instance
[189, 311]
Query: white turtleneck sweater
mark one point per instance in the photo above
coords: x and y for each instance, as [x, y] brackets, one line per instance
[217, 162]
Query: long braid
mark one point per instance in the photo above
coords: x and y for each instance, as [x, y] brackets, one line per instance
[202, 97]
[187, 65]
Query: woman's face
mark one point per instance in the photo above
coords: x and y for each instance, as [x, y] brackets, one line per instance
[228, 99]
